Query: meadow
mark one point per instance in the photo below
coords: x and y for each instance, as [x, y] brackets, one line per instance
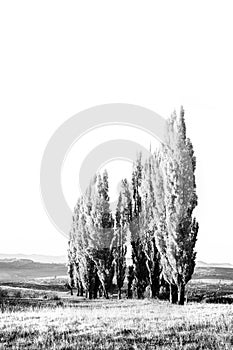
[125, 324]
[41, 314]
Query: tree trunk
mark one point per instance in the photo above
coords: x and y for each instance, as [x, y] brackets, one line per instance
[154, 292]
[181, 291]
[81, 290]
[95, 293]
[140, 292]
[129, 291]
[96, 286]
[119, 293]
[173, 293]
[100, 291]
[78, 289]
[106, 294]
[90, 292]
[155, 288]
[71, 291]
[104, 291]
[95, 289]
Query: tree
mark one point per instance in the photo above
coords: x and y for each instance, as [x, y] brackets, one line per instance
[155, 213]
[178, 163]
[159, 215]
[71, 262]
[122, 220]
[100, 232]
[83, 268]
[130, 278]
[147, 226]
[141, 274]
[90, 254]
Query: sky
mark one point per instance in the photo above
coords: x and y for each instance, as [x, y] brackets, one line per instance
[59, 58]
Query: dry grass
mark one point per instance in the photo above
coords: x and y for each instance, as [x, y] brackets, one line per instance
[126, 324]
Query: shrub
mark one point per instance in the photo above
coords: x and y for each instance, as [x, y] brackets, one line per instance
[3, 293]
[18, 294]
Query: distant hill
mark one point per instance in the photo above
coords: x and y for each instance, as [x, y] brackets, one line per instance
[204, 264]
[60, 259]
[23, 269]
[15, 267]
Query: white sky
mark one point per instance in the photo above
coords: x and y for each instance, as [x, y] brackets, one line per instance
[117, 169]
[58, 58]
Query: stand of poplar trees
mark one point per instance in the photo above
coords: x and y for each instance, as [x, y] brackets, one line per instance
[153, 217]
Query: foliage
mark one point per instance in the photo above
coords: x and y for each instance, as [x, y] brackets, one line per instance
[178, 165]
[153, 219]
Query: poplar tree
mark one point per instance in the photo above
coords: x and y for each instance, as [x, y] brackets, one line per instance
[148, 227]
[70, 264]
[155, 213]
[84, 269]
[100, 232]
[159, 215]
[141, 274]
[123, 218]
[180, 200]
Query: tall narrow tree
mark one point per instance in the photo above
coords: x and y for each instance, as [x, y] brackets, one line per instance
[100, 233]
[148, 227]
[141, 274]
[159, 215]
[180, 200]
[122, 222]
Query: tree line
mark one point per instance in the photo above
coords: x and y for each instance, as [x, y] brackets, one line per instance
[153, 221]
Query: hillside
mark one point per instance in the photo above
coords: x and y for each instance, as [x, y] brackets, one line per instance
[13, 269]
[212, 272]
[58, 259]
[205, 264]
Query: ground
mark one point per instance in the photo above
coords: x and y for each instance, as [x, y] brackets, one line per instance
[41, 314]
[126, 324]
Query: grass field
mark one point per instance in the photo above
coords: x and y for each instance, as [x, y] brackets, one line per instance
[126, 324]
[41, 314]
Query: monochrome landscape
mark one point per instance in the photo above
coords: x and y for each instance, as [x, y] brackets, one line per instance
[130, 279]
[38, 312]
